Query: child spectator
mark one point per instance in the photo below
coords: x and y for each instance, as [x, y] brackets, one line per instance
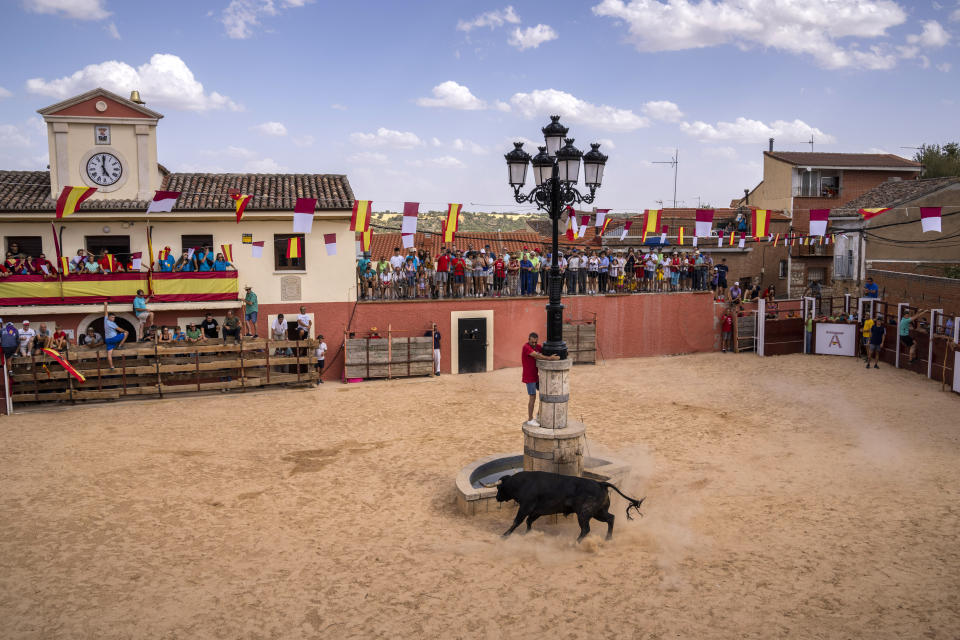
[321, 355]
[726, 331]
[58, 341]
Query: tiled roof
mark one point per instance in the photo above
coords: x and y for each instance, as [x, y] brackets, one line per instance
[893, 193]
[382, 244]
[30, 191]
[851, 160]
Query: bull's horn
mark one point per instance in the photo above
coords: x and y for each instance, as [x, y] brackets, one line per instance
[491, 486]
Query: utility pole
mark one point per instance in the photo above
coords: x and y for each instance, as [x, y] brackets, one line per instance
[673, 162]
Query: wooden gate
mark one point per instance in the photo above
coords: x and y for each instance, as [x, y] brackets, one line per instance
[581, 339]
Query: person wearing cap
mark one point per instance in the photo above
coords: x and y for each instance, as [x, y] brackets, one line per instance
[9, 340]
[250, 309]
[321, 356]
[27, 338]
[735, 292]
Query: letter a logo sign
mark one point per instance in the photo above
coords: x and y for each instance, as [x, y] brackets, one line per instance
[835, 341]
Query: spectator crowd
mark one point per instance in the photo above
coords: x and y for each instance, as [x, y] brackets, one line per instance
[204, 258]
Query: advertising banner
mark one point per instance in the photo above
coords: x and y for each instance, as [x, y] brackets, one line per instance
[836, 339]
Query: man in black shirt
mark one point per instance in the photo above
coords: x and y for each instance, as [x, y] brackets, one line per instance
[436, 347]
[722, 270]
[210, 326]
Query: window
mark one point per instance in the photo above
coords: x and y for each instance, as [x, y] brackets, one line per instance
[843, 264]
[195, 242]
[117, 245]
[280, 260]
[783, 269]
[27, 245]
[817, 274]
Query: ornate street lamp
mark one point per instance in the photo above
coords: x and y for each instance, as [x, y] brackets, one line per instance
[556, 169]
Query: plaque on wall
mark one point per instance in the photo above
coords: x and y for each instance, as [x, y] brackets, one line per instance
[289, 288]
[102, 133]
[247, 238]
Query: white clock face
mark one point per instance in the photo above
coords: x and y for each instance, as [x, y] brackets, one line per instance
[104, 169]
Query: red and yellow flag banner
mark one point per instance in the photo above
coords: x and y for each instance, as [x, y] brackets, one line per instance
[227, 251]
[452, 221]
[294, 248]
[360, 220]
[680, 237]
[70, 199]
[64, 264]
[111, 262]
[873, 213]
[761, 223]
[651, 221]
[365, 238]
[53, 353]
[603, 228]
[240, 201]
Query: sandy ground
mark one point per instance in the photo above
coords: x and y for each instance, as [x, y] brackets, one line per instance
[795, 497]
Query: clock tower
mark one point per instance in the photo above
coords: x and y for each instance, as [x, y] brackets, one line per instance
[99, 139]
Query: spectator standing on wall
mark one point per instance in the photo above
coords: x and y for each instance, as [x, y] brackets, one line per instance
[250, 311]
[870, 289]
[906, 322]
[722, 270]
[573, 268]
[210, 326]
[231, 327]
[530, 377]
[144, 315]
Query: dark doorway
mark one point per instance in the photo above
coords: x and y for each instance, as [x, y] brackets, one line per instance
[122, 323]
[472, 336]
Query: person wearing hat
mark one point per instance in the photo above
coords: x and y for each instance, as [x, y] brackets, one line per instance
[250, 309]
[167, 263]
[27, 338]
[9, 340]
[735, 292]
[321, 355]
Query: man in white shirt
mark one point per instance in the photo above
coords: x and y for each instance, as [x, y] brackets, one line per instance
[303, 324]
[27, 337]
[573, 266]
[396, 260]
[321, 356]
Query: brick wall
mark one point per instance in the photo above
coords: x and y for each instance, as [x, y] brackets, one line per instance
[853, 184]
[920, 290]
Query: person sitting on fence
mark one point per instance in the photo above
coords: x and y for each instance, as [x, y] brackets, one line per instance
[904, 331]
[321, 354]
[368, 283]
[149, 334]
[144, 315]
[166, 336]
[58, 340]
[386, 283]
[735, 292]
[114, 336]
[90, 338]
[42, 341]
[210, 327]
[9, 340]
[304, 324]
[27, 338]
[194, 335]
[231, 327]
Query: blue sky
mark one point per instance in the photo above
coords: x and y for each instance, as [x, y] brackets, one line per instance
[420, 100]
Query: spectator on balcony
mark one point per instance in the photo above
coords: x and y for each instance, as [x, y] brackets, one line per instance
[90, 338]
[185, 264]
[90, 265]
[43, 267]
[5, 271]
[231, 327]
[204, 258]
[76, 262]
[222, 264]
[870, 289]
[167, 262]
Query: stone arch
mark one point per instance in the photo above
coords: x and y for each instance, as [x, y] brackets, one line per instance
[125, 320]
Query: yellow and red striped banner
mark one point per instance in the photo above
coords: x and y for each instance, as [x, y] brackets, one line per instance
[111, 262]
[733, 236]
[452, 221]
[227, 251]
[64, 265]
[651, 221]
[680, 237]
[365, 238]
[294, 248]
[70, 199]
[603, 228]
[240, 201]
[761, 223]
[53, 353]
[872, 213]
[360, 220]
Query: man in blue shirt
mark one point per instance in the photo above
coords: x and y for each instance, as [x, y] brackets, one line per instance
[870, 289]
[525, 267]
[204, 261]
[144, 315]
[114, 336]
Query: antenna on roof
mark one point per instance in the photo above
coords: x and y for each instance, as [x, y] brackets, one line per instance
[673, 162]
[810, 142]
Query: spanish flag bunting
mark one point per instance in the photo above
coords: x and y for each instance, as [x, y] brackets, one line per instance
[452, 221]
[833, 238]
[70, 199]
[240, 202]
[603, 227]
[294, 248]
[111, 262]
[733, 236]
[365, 239]
[572, 229]
[761, 223]
[64, 265]
[806, 241]
[680, 237]
[776, 240]
[227, 251]
[873, 213]
[644, 241]
[66, 365]
[651, 221]
[360, 220]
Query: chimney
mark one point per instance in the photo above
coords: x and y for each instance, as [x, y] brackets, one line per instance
[771, 145]
[135, 97]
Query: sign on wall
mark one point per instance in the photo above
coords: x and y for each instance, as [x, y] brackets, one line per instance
[102, 133]
[836, 339]
[247, 238]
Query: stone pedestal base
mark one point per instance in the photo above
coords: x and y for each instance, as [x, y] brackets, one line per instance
[555, 450]
[554, 392]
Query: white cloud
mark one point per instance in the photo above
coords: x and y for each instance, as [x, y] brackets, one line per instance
[367, 157]
[955, 16]
[12, 136]
[264, 165]
[543, 102]
[76, 9]
[444, 162]
[490, 19]
[663, 110]
[276, 129]
[338, 106]
[387, 138]
[451, 95]
[500, 105]
[4, 93]
[746, 131]
[241, 16]
[932, 36]
[945, 67]
[112, 31]
[436, 142]
[468, 145]
[806, 27]
[165, 81]
[877, 150]
[304, 141]
[606, 144]
[723, 153]
[532, 37]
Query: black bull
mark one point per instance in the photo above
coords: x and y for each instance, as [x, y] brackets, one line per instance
[540, 493]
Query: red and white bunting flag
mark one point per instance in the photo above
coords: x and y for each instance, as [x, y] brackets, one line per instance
[626, 227]
[743, 240]
[410, 212]
[330, 241]
[664, 230]
[303, 215]
[704, 223]
[818, 221]
[584, 223]
[601, 215]
[719, 240]
[163, 201]
[573, 230]
[406, 239]
[136, 259]
[257, 249]
[930, 218]
[693, 241]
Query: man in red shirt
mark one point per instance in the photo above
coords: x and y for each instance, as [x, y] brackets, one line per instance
[458, 272]
[529, 355]
[726, 332]
[499, 275]
[443, 267]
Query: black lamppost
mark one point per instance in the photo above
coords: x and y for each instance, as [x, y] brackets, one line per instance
[555, 170]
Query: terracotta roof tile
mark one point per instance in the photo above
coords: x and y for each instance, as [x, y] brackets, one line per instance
[851, 160]
[893, 193]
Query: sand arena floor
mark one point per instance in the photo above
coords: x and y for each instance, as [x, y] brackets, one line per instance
[794, 497]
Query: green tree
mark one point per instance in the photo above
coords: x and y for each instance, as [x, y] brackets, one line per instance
[939, 162]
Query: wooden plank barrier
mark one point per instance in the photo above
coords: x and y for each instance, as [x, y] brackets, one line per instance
[389, 357]
[157, 369]
[581, 342]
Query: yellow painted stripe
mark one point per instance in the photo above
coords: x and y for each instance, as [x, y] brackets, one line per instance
[187, 286]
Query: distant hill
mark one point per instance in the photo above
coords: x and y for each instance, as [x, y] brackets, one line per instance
[432, 220]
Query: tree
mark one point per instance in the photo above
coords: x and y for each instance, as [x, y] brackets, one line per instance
[939, 162]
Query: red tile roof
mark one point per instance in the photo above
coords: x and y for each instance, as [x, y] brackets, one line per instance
[847, 160]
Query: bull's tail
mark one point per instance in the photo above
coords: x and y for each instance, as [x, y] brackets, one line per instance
[634, 504]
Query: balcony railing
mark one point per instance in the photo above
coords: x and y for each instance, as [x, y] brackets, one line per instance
[816, 192]
[197, 286]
